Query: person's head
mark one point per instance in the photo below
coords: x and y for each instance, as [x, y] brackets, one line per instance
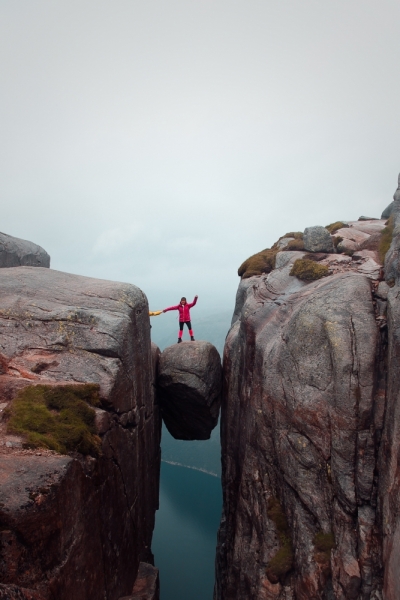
[183, 300]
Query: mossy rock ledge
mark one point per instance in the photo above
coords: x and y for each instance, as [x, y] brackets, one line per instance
[78, 499]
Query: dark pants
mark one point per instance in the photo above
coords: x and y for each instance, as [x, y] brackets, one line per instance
[182, 323]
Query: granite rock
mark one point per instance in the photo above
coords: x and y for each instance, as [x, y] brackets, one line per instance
[189, 384]
[389, 457]
[298, 426]
[387, 212]
[73, 526]
[392, 259]
[147, 584]
[15, 252]
[317, 239]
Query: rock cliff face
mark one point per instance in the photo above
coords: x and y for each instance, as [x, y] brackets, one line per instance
[15, 252]
[310, 450]
[74, 526]
[390, 451]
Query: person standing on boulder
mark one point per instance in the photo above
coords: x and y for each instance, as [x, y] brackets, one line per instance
[184, 316]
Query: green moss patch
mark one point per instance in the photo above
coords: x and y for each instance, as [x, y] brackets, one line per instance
[324, 544]
[59, 418]
[335, 226]
[264, 261]
[386, 239]
[308, 270]
[282, 562]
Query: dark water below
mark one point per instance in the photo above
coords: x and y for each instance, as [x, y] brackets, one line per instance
[186, 532]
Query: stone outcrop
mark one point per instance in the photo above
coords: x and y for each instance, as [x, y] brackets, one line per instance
[387, 212]
[147, 584]
[317, 239]
[189, 384]
[392, 260]
[74, 526]
[310, 430]
[359, 235]
[15, 252]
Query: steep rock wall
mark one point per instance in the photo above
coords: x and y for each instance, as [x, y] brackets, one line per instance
[390, 450]
[303, 414]
[73, 526]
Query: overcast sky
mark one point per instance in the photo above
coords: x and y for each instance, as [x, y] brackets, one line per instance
[161, 142]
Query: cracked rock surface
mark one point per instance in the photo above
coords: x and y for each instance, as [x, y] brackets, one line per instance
[189, 384]
[73, 526]
[302, 417]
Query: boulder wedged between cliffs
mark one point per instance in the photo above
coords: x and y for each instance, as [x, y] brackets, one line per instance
[189, 388]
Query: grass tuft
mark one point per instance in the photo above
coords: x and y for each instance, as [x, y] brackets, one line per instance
[386, 239]
[282, 562]
[308, 270]
[295, 245]
[264, 261]
[59, 418]
[333, 227]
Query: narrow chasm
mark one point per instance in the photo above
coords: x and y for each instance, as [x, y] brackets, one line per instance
[189, 392]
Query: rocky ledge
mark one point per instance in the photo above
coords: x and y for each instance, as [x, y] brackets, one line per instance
[189, 384]
[310, 425]
[75, 525]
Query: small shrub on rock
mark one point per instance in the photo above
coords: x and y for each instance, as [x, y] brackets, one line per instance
[386, 239]
[308, 270]
[335, 226]
[295, 245]
[264, 261]
[59, 418]
[297, 235]
[336, 241]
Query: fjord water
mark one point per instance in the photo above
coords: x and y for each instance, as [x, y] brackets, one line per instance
[185, 535]
[187, 521]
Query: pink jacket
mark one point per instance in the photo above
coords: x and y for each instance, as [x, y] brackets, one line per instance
[184, 311]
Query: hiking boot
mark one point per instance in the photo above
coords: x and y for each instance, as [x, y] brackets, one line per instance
[179, 340]
[192, 339]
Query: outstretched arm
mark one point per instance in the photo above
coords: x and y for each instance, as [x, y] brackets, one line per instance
[193, 303]
[171, 308]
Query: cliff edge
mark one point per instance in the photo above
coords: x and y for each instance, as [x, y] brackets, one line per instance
[76, 524]
[310, 422]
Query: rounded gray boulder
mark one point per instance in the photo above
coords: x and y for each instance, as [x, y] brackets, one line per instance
[189, 388]
[317, 239]
[15, 252]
